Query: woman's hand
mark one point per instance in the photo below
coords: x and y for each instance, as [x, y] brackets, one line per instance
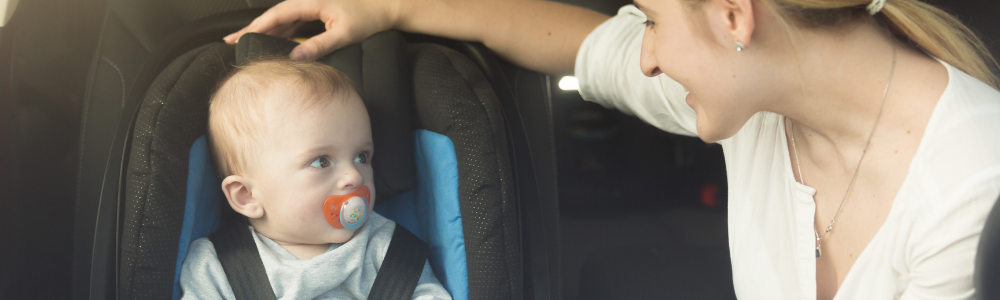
[346, 22]
[543, 36]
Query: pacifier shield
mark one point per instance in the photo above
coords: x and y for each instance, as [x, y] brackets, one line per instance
[347, 211]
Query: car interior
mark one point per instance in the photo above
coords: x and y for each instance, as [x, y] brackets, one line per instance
[104, 176]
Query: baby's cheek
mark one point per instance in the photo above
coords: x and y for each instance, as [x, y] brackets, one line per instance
[302, 219]
[306, 215]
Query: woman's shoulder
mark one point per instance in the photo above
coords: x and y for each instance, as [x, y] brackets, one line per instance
[959, 154]
[964, 99]
[965, 90]
[963, 133]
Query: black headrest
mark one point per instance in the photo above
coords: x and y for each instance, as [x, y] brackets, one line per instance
[987, 272]
[379, 68]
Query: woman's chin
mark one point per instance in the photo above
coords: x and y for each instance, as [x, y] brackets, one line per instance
[717, 128]
[712, 134]
[708, 139]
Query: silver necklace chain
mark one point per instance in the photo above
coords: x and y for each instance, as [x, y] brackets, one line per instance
[795, 151]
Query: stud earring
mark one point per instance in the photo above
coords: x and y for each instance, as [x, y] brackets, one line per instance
[739, 46]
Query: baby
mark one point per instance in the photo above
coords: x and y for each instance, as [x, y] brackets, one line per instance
[289, 138]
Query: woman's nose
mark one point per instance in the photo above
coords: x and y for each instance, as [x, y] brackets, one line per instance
[350, 178]
[647, 59]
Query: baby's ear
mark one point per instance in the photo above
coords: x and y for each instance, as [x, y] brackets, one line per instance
[238, 192]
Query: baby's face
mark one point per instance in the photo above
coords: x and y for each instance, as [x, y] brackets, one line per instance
[307, 155]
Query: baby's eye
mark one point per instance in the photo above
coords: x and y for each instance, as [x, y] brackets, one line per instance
[362, 158]
[648, 23]
[321, 162]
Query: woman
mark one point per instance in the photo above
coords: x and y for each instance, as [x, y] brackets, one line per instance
[860, 136]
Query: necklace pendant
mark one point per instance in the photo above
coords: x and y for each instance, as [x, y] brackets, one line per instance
[817, 252]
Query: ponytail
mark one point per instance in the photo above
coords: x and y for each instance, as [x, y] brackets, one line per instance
[924, 26]
[927, 27]
[943, 36]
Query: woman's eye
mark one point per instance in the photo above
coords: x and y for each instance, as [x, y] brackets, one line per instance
[362, 158]
[320, 163]
[648, 23]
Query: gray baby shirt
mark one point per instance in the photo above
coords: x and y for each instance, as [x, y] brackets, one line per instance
[345, 271]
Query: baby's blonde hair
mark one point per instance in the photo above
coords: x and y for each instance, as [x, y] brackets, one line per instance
[236, 119]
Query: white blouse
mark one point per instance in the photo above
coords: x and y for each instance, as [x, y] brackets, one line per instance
[925, 249]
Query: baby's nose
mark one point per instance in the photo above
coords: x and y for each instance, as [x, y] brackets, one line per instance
[350, 179]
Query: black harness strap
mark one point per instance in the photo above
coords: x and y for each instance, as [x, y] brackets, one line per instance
[401, 267]
[239, 257]
[396, 279]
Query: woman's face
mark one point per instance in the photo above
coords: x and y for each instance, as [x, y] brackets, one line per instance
[696, 47]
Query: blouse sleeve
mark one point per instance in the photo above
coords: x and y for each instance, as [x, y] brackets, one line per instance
[945, 240]
[607, 67]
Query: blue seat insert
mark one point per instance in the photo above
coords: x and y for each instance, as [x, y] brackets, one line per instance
[431, 210]
[202, 204]
[436, 210]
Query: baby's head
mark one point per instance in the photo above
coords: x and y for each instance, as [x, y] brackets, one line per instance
[286, 135]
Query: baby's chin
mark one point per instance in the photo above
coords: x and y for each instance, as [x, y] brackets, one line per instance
[339, 236]
[326, 237]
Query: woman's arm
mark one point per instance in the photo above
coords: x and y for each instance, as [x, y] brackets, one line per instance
[543, 36]
[540, 35]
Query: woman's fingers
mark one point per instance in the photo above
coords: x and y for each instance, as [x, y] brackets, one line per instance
[346, 22]
[322, 44]
[278, 18]
[285, 32]
[233, 37]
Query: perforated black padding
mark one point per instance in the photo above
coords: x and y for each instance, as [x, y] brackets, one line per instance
[172, 115]
[453, 98]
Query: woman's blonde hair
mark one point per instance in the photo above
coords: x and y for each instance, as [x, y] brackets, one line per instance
[931, 29]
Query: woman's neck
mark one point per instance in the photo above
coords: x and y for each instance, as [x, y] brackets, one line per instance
[834, 103]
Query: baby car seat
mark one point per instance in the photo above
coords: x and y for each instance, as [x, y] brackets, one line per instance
[147, 107]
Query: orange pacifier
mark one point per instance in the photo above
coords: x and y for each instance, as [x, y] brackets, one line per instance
[347, 211]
